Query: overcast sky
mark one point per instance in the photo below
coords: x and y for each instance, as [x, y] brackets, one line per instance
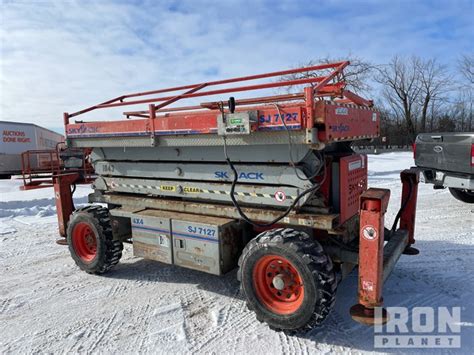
[65, 55]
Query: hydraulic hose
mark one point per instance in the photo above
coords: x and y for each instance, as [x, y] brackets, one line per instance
[235, 179]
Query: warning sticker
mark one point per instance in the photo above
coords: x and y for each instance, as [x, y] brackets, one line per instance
[369, 233]
[164, 240]
[367, 285]
[342, 111]
[168, 188]
[356, 164]
[280, 196]
[192, 190]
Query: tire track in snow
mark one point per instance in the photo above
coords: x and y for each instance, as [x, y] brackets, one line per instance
[143, 316]
[4, 305]
[240, 320]
[118, 288]
[284, 343]
[223, 324]
[102, 331]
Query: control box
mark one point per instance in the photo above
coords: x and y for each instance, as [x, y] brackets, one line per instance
[237, 123]
[209, 244]
[151, 234]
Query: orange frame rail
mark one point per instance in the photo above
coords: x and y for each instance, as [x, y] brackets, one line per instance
[299, 109]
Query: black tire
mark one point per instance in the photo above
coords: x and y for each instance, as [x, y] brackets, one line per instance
[107, 250]
[462, 195]
[315, 269]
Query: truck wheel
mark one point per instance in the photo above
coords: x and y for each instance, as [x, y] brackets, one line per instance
[90, 240]
[462, 195]
[287, 279]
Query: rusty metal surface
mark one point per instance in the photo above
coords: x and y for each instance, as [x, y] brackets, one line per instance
[409, 199]
[371, 241]
[376, 193]
[381, 196]
[366, 316]
[322, 81]
[392, 251]
[353, 182]
[318, 221]
[63, 198]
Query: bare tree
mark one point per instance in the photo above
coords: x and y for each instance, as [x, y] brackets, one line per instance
[436, 108]
[401, 89]
[466, 67]
[356, 76]
[434, 82]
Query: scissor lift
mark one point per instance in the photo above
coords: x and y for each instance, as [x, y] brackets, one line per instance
[270, 183]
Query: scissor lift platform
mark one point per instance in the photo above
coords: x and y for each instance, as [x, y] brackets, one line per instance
[272, 179]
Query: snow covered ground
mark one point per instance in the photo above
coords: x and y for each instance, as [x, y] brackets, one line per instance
[48, 305]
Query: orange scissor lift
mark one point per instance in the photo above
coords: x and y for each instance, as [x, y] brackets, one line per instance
[268, 183]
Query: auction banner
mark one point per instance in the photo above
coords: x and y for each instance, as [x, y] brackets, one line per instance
[16, 138]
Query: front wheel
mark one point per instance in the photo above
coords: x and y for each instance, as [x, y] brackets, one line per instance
[90, 240]
[288, 280]
[462, 195]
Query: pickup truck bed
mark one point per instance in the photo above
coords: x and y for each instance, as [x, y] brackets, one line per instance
[447, 160]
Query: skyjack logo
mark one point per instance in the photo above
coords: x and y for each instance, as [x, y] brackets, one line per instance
[82, 129]
[340, 128]
[242, 175]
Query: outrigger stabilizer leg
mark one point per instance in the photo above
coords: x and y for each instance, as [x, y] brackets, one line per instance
[377, 261]
[64, 202]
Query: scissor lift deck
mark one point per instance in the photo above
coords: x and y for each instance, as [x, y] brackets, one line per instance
[196, 184]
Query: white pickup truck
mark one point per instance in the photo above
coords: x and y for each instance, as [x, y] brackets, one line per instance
[447, 161]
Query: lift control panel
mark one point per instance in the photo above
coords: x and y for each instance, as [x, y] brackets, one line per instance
[235, 123]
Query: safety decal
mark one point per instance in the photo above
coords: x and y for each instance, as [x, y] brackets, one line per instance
[244, 194]
[369, 232]
[168, 188]
[342, 111]
[280, 196]
[353, 165]
[192, 190]
[367, 286]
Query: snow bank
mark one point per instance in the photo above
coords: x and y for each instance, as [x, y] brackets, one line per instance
[30, 206]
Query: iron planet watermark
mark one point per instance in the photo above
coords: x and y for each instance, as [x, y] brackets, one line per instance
[419, 327]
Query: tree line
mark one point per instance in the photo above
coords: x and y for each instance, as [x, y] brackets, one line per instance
[413, 94]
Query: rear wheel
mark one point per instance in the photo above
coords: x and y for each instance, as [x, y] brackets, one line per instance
[90, 240]
[462, 195]
[288, 280]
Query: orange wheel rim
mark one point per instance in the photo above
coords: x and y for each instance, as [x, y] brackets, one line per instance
[278, 285]
[84, 242]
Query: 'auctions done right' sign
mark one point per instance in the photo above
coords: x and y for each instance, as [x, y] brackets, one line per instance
[16, 138]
